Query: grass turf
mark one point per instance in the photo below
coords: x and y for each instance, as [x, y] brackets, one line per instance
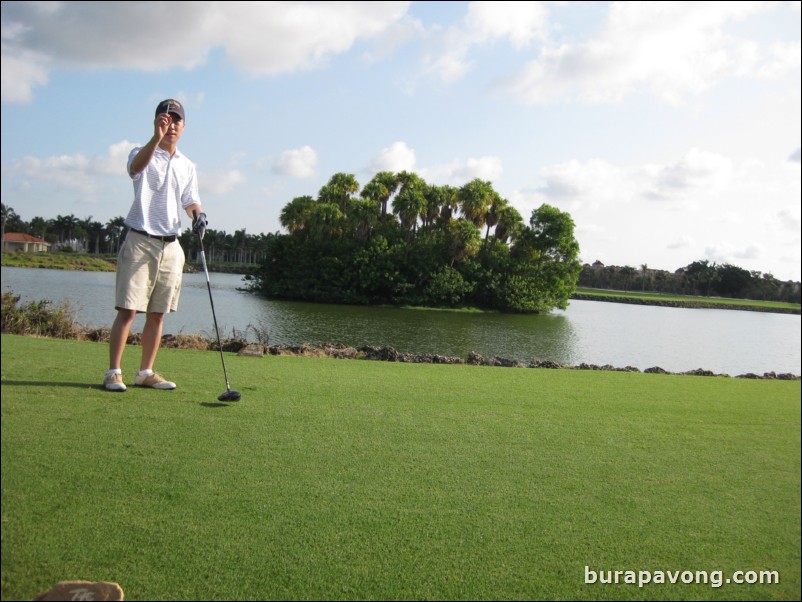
[349, 479]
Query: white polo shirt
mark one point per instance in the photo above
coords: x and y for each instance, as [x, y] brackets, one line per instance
[162, 191]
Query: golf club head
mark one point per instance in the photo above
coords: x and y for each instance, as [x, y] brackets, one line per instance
[229, 395]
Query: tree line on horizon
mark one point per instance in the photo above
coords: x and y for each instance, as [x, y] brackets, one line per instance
[69, 233]
[703, 278]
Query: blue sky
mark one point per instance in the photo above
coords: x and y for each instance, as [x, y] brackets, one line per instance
[669, 131]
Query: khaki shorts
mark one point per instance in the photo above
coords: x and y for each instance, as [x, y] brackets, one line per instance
[149, 274]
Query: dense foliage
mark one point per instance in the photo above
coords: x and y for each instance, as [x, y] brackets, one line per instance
[238, 251]
[700, 278]
[405, 242]
[38, 318]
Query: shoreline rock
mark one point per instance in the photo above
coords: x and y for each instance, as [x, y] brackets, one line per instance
[390, 354]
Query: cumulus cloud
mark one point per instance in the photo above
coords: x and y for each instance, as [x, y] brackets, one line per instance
[261, 38]
[683, 242]
[671, 49]
[697, 170]
[395, 158]
[297, 163]
[88, 178]
[590, 183]
[726, 252]
[595, 183]
[277, 37]
[519, 23]
[221, 182]
[73, 172]
[789, 219]
[21, 73]
[68, 171]
[458, 173]
[708, 207]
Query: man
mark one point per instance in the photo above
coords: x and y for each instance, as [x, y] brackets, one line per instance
[150, 263]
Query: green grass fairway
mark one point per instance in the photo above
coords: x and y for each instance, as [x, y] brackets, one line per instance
[654, 298]
[353, 479]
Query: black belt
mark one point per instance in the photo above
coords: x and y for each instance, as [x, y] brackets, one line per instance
[170, 238]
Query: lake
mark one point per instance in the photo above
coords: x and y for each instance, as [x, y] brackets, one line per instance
[593, 332]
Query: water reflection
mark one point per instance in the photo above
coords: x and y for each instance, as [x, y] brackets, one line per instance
[724, 341]
[452, 333]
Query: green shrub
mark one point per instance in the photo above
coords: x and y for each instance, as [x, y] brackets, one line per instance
[39, 318]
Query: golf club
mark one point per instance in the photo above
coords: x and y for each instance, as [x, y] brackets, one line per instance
[230, 394]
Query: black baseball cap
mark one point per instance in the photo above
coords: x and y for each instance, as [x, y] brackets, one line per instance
[170, 106]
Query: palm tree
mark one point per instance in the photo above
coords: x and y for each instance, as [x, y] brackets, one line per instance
[628, 272]
[295, 214]
[38, 226]
[475, 199]
[8, 216]
[497, 206]
[408, 205]
[339, 190]
[363, 217]
[450, 202]
[220, 244]
[410, 201]
[115, 228]
[435, 199]
[94, 230]
[238, 246]
[326, 221]
[464, 239]
[509, 224]
[380, 188]
[65, 226]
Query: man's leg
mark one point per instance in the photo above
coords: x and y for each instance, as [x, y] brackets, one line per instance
[119, 336]
[151, 339]
[113, 380]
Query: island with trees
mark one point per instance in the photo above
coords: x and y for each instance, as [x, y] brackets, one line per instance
[401, 241]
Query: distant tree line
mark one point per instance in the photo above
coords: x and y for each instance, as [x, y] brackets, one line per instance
[68, 233]
[402, 241]
[698, 278]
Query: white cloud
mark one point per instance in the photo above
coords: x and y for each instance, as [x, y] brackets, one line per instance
[789, 219]
[592, 183]
[221, 182]
[520, 22]
[710, 207]
[396, 158]
[682, 242]
[458, 173]
[696, 171]
[277, 37]
[262, 38]
[73, 172]
[20, 74]
[726, 252]
[115, 161]
[486, 22]
[67, 171]
[671, 49]
[297, 163]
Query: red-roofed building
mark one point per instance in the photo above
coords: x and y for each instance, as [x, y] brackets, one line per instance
[16, 241]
